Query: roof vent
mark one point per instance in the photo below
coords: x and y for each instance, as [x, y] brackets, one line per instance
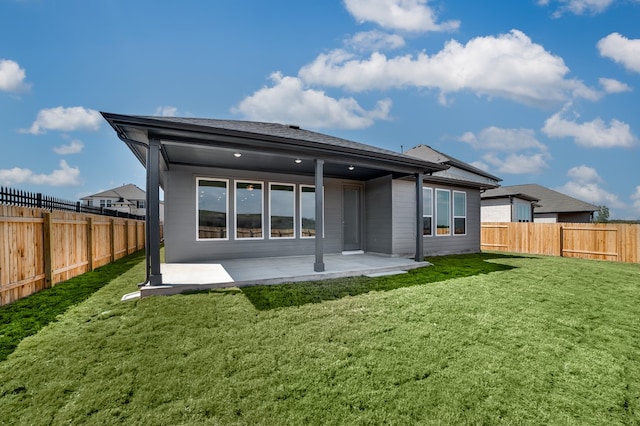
[294, 126]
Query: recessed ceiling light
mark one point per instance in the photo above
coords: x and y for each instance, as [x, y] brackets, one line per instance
[298, 161]
[237, 155]
[351, 167]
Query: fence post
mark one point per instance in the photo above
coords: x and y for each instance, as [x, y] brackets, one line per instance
[112, 245]
[90, 243]
[561, 241]
[135, 228]
[126, 237]
[47, 249]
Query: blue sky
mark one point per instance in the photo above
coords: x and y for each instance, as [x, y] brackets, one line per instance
[533, 91]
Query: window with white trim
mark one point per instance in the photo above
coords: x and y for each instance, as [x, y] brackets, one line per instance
[427, 211]
[459, 213]
[282, 207]
[212, 205]
[443, 212]
[307, 211]
[249, 210]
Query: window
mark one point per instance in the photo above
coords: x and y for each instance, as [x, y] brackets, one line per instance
[248, 210]
[140, 204]
[427, 211]
[523, 212]
[459, 213]
[90, 202]
[307, 211]
[443, 212]
[212, 205]
[282, 205]
[105, 203]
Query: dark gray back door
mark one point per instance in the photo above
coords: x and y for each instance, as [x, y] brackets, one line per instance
[351, 218]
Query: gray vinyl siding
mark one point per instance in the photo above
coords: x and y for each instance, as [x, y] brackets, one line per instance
[404, 218]
[404, 223]
[180, 230]
[378, 215]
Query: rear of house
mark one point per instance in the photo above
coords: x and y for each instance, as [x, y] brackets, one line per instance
[236, 189]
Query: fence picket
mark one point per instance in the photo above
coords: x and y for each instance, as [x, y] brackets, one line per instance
[41, 247]
[611, 241]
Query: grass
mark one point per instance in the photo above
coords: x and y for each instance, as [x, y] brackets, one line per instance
[444, 268]
[538, 340]
[27, 316]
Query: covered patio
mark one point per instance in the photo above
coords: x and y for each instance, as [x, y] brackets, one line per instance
[181, 277]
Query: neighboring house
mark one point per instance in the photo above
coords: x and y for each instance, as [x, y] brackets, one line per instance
[506, 204]
[548, 205]
[126, 198]
[241, 189]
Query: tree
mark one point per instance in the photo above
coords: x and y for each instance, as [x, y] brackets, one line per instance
[602, 214]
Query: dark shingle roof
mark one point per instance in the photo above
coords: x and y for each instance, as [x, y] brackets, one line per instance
[287, 131]
[507, 191]
[431, 154]
[549, 201]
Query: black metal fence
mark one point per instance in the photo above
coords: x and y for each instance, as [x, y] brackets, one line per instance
[15, 197]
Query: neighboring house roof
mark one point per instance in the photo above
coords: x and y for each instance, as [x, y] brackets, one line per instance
[263, 146]
[505, 192]
[126, 193]
[458, 170]
[549, 201]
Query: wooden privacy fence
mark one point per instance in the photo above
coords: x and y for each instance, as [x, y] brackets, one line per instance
[40, 248]
[602, 241]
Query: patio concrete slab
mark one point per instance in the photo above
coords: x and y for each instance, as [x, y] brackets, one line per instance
[181, 277]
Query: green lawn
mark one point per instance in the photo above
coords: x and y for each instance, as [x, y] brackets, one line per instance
[478, 339]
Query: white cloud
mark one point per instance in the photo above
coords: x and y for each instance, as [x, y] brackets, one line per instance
[621, 50]
[166, 111]
[65, 120]
[287, 101]
[584, 174]
[481, 165]
[586, 184]
[73, 147]
[593, 134]
[403, 15]
[64, 176]
[509, 66]
[518, 163]
[12, 77]
[526, 155]
[613, 86]
[579, 7]
[375, 40]
[591, 193]
[498, 139]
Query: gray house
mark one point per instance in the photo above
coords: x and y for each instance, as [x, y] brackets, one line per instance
[531, 202]
[239, 189]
